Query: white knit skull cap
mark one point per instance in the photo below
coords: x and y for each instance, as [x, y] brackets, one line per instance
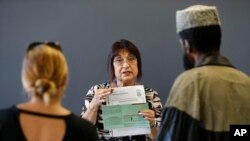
[196, 16]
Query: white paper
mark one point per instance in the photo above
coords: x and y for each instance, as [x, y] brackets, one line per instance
[127, 95]
[130, 131]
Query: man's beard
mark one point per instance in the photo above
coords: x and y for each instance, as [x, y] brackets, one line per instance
[188, 62]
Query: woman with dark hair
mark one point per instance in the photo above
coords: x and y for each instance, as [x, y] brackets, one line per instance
[125, 69]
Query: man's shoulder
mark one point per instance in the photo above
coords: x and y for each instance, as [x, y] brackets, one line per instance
[187, 75]
[194, 73]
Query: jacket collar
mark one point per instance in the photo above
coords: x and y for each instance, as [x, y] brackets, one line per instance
[213, 59]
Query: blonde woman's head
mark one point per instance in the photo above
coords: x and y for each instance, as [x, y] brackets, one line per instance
[44, 71]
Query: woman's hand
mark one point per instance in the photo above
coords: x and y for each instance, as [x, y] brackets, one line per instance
[100, 96]
[149, 115]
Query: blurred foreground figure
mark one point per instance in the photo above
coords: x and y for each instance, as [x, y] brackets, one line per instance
[211, 94]
[43, 118]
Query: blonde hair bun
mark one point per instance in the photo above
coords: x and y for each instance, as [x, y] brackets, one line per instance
[45, 88]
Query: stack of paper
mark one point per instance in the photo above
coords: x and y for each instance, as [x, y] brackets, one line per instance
[120, 115]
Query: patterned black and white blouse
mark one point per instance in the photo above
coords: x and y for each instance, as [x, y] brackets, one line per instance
[152, 99]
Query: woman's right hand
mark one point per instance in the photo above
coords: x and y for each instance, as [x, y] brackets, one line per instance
[92, 110]
[100, 96]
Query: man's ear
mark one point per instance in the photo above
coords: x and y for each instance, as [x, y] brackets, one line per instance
[186, 46]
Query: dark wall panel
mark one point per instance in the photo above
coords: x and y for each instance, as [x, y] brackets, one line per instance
[87, 28]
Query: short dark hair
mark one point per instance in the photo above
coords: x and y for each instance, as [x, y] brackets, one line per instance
[116, 47]
[204, 39]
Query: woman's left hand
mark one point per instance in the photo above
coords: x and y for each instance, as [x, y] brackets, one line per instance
[149, 115]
